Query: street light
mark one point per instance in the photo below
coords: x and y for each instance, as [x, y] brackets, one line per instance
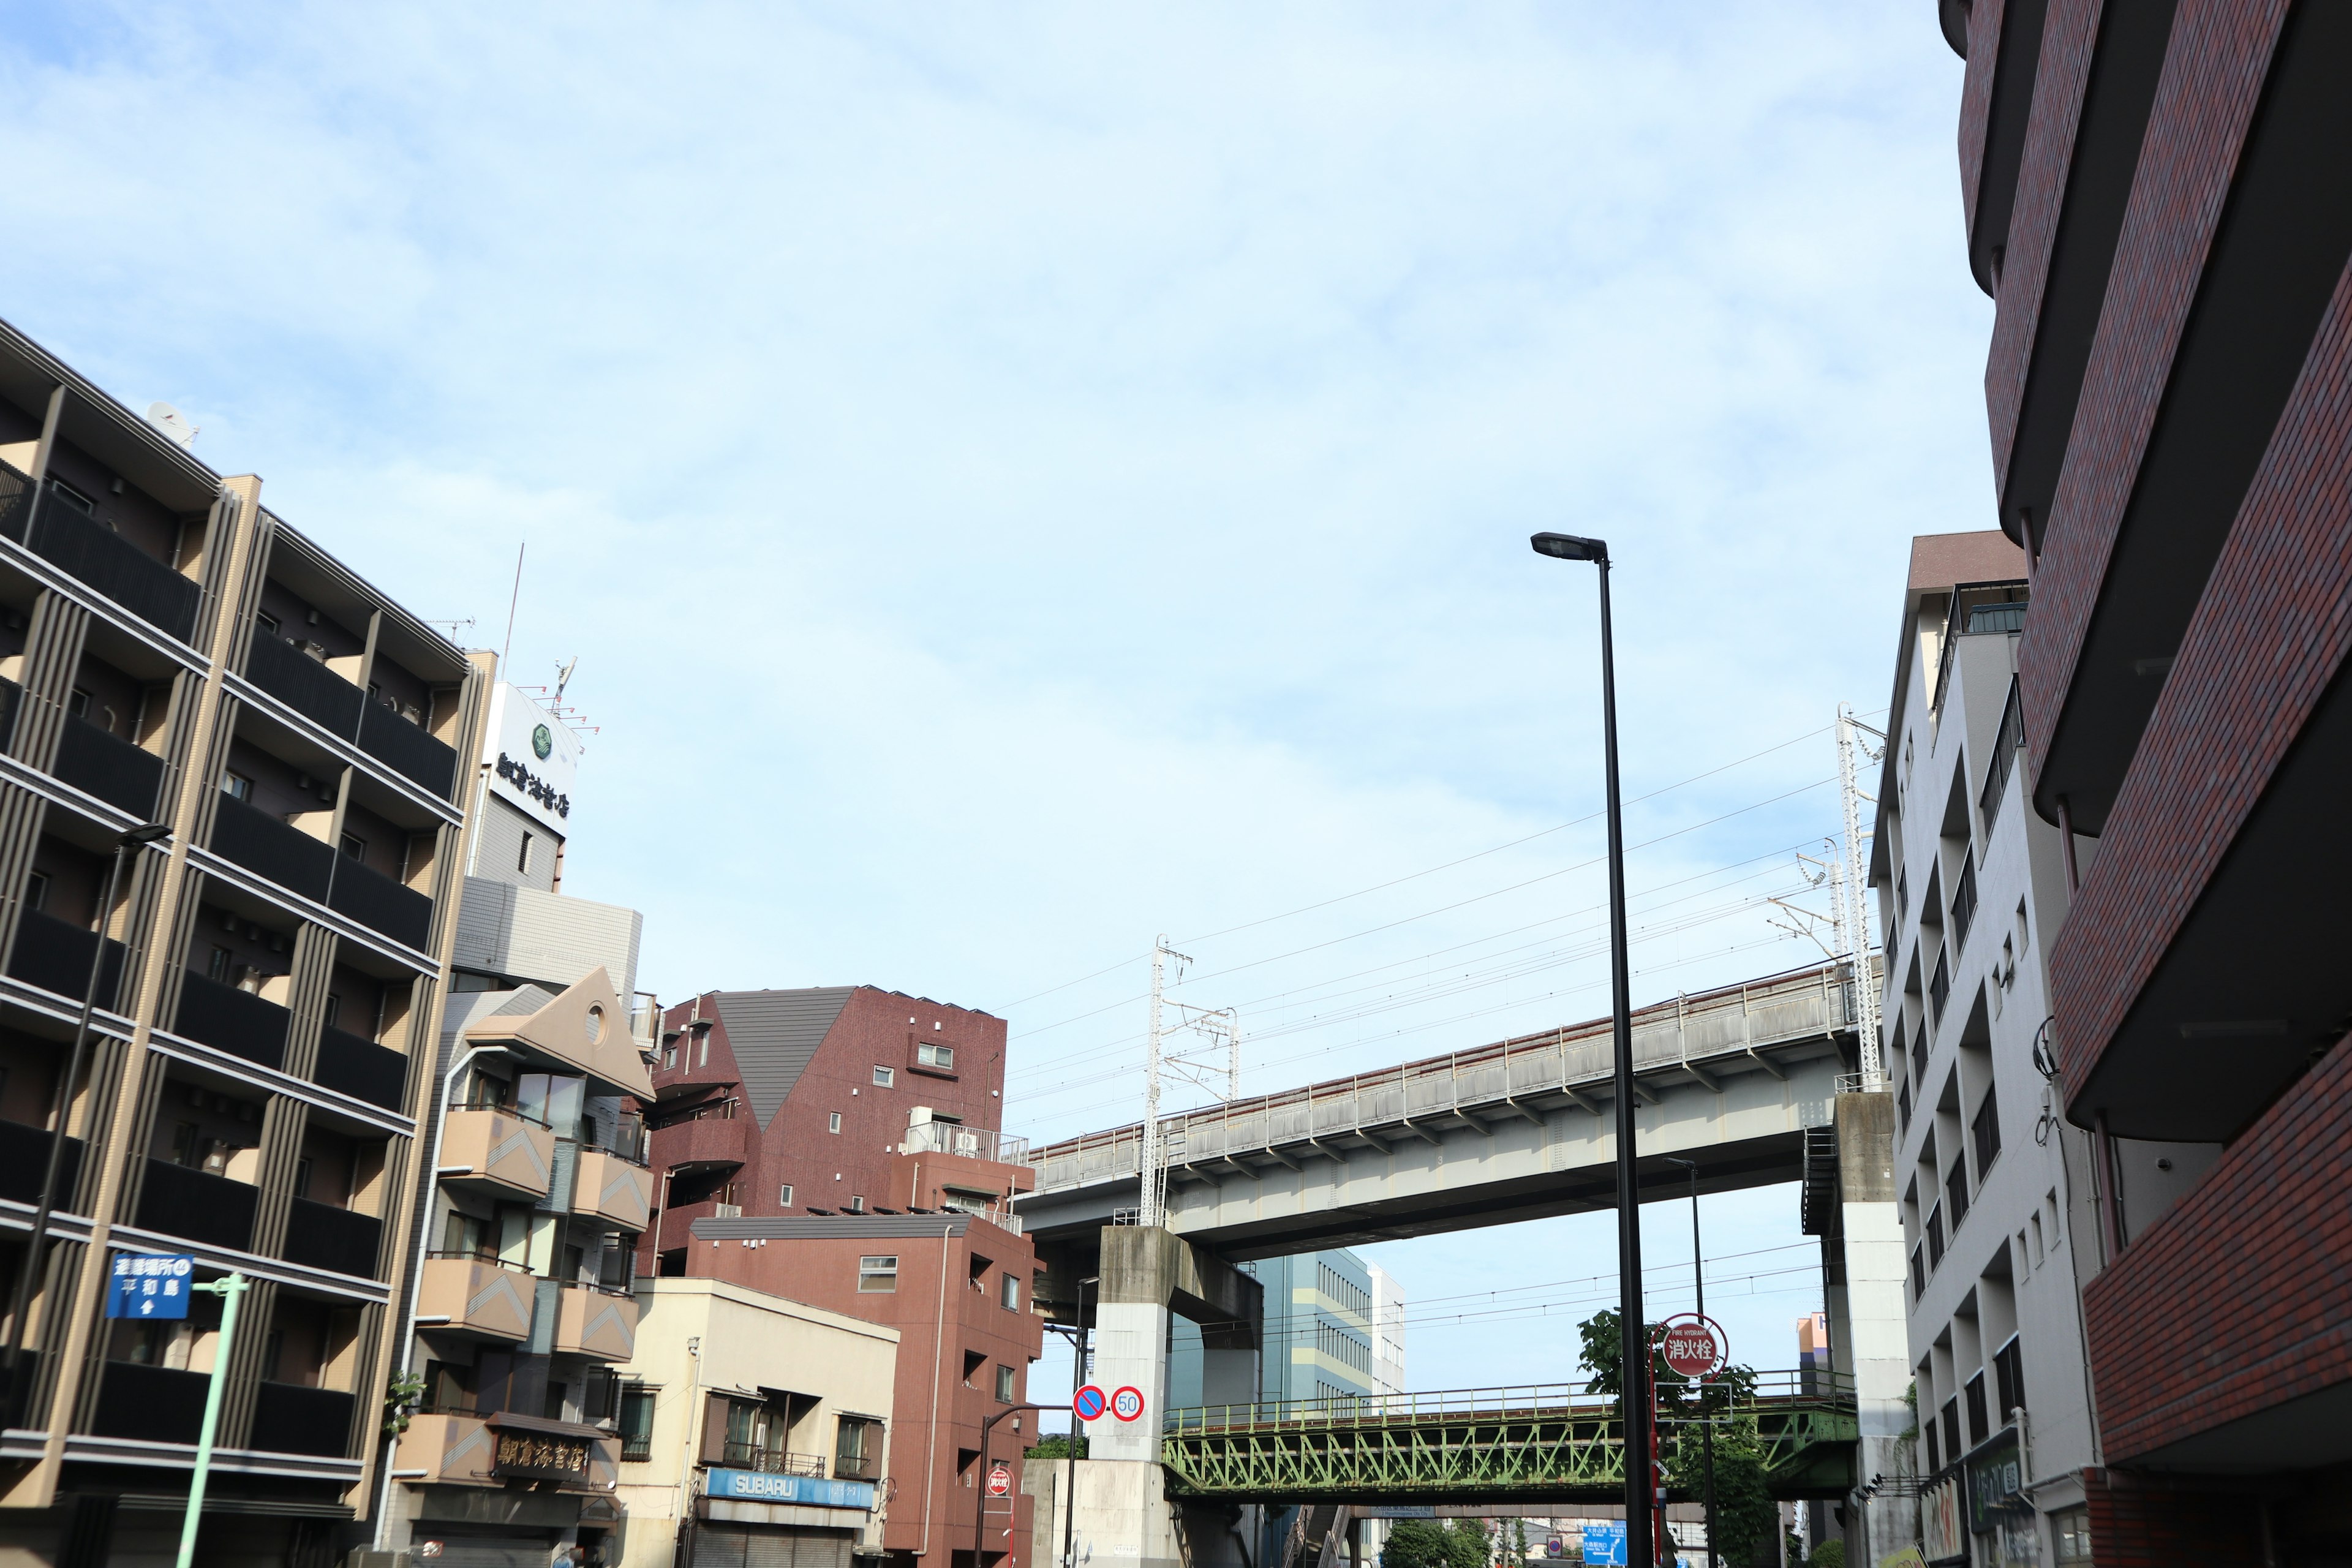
[1070, 1471]
[36, 1246]
[979, 1503]
[1633, 1344]
[1706, 1421]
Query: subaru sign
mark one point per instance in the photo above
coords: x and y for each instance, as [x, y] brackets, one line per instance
[808, 1491]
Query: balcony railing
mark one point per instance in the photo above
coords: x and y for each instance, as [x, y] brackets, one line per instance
[321, 1236]
[466, 1293]
[378, 903]
[150, 1404]
[235, 1021]
[497, 1148]
[1976, 609]
[966, 1143]
[25, 1158]
[55, 955]
[271, 848]
[593, 1322]
[407, 749]
[702, 1143]
[288, 1418]
[85, 548]
[361, 1068]
[16, 502]
[12, 697]
[194, 1204]
[97, 762]
[771, 1461]
[2005, 743]
[303, 684]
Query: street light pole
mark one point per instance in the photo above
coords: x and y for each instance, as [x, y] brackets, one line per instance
[1070, 1472]
[36, 1244]
[980, 1502]
[1634, 1345]
[1705, 1420]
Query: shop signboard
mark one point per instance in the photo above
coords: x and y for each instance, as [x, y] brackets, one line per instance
[808, 1491]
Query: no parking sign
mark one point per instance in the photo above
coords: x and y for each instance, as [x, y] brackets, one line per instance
[1088, 1404]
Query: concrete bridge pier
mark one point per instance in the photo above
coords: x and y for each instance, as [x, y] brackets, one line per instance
[1149, 1277]
[1863, 1280]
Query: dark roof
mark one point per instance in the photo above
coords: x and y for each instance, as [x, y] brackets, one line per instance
[836, 1228]
[774, 1034]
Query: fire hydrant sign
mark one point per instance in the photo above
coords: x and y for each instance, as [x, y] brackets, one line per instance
[149, 1285]
[1693, 1347]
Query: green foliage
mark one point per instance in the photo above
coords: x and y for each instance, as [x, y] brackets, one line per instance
[1519, 1543]
[1744, 1514]
[401, 1398]
[1056, 1446]
[1603, 1361]
[1828, 1555]
[1437, 1543]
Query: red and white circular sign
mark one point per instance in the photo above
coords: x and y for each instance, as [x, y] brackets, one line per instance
[1693, 1347]
[1000, 1479]
[1128, 1402]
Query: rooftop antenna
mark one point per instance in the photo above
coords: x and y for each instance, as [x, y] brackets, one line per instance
[513, 599]
[563, 678]
[172, 423]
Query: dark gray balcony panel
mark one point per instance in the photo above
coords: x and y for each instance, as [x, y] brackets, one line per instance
[378, 903]
[25, 1156]
[11, 697]
[321, 1235]
[231, 1020]
[55, 955]
[194, 1204]
[288, 1418]
[270, 848]
[303, 684]
[361, 1068]
[97, 762]
[85, 548]
[15, 502]
[407, 750]
[150, 1404]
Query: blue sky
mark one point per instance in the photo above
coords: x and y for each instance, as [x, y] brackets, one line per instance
[1022, 479]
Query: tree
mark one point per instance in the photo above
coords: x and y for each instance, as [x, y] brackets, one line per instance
[1433, 1543]
[1745, 1513]
[1056, 1446]
[1468, 1545]
[1519, 1543]
[1828, 1555]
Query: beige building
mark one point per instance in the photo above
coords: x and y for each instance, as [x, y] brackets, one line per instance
[760, 1422]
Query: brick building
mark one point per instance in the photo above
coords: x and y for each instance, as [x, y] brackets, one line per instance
[837, 1146]
[2158, 197]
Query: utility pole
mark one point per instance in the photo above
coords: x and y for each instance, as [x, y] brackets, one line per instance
[1857, 881]
[1152, 1205]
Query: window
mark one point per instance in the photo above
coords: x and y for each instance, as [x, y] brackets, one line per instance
[1964, 899]
[1009, 1293]
[334, 1009]
[236, 787]
[1952, 1428]
[77, 703]
[266, 622]
[884, 1078]
[1005, 1376]
[857, 1449]
[877, 1274]
[1935, 1458]
[522, 856]
[37, 890]
[1919, 1272]
[784, 1195]
[1986, 1129]
[1979, 1429]
[1935, 1237]
[302, 1177]
[354, 846]
[73, 498]
[833, 1122]
[1940, 987]
[669, 1056]
[2070, 1528]
[448, 1388]
[1956, 1192]
[217, 970]
[941, 1057]
[2009, 1379]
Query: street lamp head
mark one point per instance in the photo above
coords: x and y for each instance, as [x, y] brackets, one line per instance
[146, 834]
[1569, 547]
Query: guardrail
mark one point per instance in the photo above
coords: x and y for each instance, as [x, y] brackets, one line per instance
[1685, 1033]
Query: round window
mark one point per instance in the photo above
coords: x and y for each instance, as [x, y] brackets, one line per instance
[595, 1025]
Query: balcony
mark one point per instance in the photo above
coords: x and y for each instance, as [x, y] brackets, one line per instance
[12, 697]
[703, 1144]
[196, 1205]
[150, 1404]
[99, 762]
[56, 956]
[771, 1461]
[446, 1446]
[303, 684]
[227, 1019]
[474, 1296]
[613, 1189]
[597, 1322]
[378, 903]
[288, 1418]
[321, 1236]
[965, 1142]
[361, 1068]
[508, 1154]
[24, 1157]
[274, 850]
[16, 502]
[70, 538]
[407, 750]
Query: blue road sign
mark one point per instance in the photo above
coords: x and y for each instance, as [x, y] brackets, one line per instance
[1604, 1543]
[1090, 1403]
[149, 1285]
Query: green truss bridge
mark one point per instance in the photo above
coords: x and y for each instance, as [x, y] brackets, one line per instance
[1546, 1443]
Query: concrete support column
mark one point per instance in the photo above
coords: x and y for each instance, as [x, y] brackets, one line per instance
[1871, 1341]
[1130, 1350]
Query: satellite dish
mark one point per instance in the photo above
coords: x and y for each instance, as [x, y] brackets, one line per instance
[171, 422]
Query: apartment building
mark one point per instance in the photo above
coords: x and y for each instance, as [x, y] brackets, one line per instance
[537, 1191]
[267, 749]
[1997, 1219]
[2159, 201]
[753, 1430]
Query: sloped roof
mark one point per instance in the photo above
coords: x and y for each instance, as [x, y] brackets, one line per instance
[775, 1035]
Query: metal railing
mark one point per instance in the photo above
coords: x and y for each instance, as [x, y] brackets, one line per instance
[772, 1461]
[1775, 1387]
[966, 1143]
[1781, 1009]
[1976, 609]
